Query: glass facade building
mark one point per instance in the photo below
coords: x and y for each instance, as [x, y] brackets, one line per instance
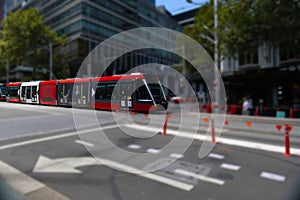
[86, 23]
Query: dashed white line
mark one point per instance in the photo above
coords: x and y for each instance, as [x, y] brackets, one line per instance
[200, 177]
[134, 146]
[216, 156]
[154, 151]
[230, 166]
[176, 155]
[84, 143]
[272, 176]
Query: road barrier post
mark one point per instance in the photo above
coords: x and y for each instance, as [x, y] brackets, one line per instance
[166, 124]
[288, 128]
[213, 140]
[291, 113]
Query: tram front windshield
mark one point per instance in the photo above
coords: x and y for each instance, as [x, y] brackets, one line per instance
[13, 91]
[3, 90]
[155, 88]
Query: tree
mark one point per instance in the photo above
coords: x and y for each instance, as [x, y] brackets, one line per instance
[244, 25]
[251, 23]
[25, 39]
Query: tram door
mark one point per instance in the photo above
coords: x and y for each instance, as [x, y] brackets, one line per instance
[81, 97]
[126, 92]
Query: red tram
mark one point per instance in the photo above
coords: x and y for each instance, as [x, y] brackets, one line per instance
[13, 92]
[2, 92]
[135, 92]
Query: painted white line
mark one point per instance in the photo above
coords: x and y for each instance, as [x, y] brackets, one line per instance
[230, 166]
[155, 177]
[154, 151]
[26, 185]
[216, 156]
[84, 143]
[17, 179]
[68, 165]
[200, 177]
[272, 176]
[8, 146]
[134, 146]
[176, 155]
[233, 142]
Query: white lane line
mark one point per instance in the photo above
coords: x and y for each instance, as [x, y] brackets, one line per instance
[8, 146]
[155, 177]
[84, 143]
[154, 151]
[272, 176]
[200, 177]
[216, 156]
[234, 142]
[134, 146]
[230, 166]
[176, 155]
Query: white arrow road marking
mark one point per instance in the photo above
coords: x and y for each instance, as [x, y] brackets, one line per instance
[63, 165]
[84, 143]
[272, 176]
[200, 177]
[93, 92]
[68, 165]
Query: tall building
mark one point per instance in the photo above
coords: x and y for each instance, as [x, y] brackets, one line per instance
[6, 6]
[86, 23]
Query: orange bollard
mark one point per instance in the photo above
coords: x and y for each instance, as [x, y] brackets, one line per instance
[288, 128]
[213, 140]
[256, 110]
[291, 113]
[165, 126]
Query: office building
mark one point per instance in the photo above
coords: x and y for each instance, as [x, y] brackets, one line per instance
[86, 23]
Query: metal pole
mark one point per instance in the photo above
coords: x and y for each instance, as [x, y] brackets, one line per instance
[50, 62]
[7, 70]
[89, 58]
[216, 56]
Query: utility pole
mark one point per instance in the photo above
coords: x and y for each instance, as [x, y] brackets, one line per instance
[50, 61]
[7, 70]
[216, 53]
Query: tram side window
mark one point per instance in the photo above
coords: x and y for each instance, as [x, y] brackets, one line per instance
[34, 91]
[142, 93]
[111, 94]
[68, 90]
[104, 92]
[100, 92]
[23, 92]
[28, 92]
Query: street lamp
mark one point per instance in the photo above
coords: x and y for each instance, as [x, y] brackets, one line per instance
[215, 41]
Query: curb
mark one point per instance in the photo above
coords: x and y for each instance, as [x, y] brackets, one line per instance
[27, 186]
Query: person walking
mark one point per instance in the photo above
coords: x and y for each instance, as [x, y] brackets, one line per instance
[246, 107]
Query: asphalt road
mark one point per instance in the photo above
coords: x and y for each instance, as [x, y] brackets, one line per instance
[48, 152]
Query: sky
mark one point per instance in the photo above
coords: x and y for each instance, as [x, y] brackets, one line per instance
[178, 6]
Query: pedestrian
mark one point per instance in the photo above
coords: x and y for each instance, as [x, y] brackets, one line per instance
[246, 107]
